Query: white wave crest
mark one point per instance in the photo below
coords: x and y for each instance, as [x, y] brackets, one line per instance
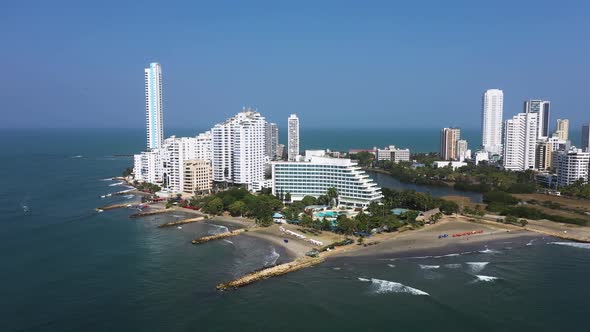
[489, 251]
[573, 244]
[476, 267]
[218, 229]
[452, 266]
[129, 196]
[428, 267]
[115, 184]
[271, 259]
[391, 265]
[385, 286]
[227, 241]
[364, 279]
[485, 278]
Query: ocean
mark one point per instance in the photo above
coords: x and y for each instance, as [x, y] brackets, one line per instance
[66, 267]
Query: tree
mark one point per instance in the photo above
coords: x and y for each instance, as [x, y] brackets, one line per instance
[332, 194]
[237, 208]
[306, 221]
[449, 207]
[308, 200]
[288, 197]
[214, 206]
[326, 224]
[347, 225]
[510, 220]
[128, 171]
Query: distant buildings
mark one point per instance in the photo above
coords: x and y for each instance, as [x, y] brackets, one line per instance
[292, 137]
[491, 127]
[453, 164]
[239, 148]
[391, 153]
[316, 176]
[586, 137]
[271, 141]
[153, 106]
[543, 109]
[462, 151]
[543, 156]
[198, 177]
[520, 141]
[562, 129]
[572, 166]
[448, 143]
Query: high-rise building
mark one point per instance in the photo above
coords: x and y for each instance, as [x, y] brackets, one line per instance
[271, 140]
[239, 148]
[292, 137]
[461, 150]
[448, 143]
[586, 137]
[316, 176]
[177, 150]
[543, 157]
[562, 129]
[520, 141]
[153, 106]
[491, 125]
[197, 177]
[572, 166]
[543, 108]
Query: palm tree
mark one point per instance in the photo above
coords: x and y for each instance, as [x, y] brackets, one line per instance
[333, 195]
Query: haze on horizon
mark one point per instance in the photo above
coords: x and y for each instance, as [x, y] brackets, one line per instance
[334, 63]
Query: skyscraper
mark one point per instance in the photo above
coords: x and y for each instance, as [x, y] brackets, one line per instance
[292, 137]
[586, 137]
[543, 108]
[520, 141]
[271, 140]
[448, 143]
[239, 148]
[153, 106]
[491, 125]
[562, 129]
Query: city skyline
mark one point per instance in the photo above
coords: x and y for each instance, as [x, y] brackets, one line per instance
[406, 65]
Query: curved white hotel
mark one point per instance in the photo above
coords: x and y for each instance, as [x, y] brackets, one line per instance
[313, 178]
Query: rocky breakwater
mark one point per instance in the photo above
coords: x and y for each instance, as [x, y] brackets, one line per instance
[218, 236]
[266, 273]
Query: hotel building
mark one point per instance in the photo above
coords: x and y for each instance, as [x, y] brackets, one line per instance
[198, 177]
[313, 178]
[491, 126]
[572, 166]
[520, 141]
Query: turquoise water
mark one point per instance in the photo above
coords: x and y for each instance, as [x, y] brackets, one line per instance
[67, 268]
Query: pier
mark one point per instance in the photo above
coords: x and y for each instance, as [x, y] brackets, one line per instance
[270, 272]
[112, 207]
[181, 222]
[218, 236]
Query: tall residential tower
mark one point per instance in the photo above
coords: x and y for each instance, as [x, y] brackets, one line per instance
[543, 108]
[292, 137]
[448, 143]
[153, 106]
[520, 141]
[491, 124]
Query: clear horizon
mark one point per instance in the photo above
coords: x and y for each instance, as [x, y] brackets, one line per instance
[342, 64]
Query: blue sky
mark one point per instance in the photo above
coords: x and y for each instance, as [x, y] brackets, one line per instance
[385, 64]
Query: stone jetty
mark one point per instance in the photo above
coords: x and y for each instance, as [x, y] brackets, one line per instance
[149, 213]
[218, 236]
[111, 207]
[274, 271]
[181, 222]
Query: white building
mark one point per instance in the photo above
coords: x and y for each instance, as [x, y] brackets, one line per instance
[491, 125]
[176, 151]
[153, 106]
[481, 156]
[445, 163]
[271, 140]
[520, 141]
[543, 109]
[239, 148]
[147, 167]
[314, 178]
[562, 129]
[292, 137]
[391, 153]
[462, 150]
[572, 166]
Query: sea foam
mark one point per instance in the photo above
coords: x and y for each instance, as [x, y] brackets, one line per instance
[428, 267]
[386, 286]
[476, 267]
[485, 278]
[452, 266]
[271, 259]
[573, 244]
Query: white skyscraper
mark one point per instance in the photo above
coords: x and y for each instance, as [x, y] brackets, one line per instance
[520, 141]
[292, 137]
[239, 148]
[572, 166]
[491, 125]
[271, 140]
[543, 108]
[153, 106]
[176, 151]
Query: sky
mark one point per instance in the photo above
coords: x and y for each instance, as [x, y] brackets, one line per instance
[343, 64]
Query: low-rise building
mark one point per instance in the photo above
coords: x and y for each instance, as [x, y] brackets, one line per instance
[316, 176]
[198, 177]
[391, 153]
[453, 164]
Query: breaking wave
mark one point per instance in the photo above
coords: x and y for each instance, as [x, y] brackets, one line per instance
[452, 266]
[115, 184]
[428, 267]
[476, 267]
[271, 259]
[391, 265]
[218, 229]
[485, 278]
[385, 286]
[573, 244]
[489, 251]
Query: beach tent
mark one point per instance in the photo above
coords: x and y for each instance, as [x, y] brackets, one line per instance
[277, 216]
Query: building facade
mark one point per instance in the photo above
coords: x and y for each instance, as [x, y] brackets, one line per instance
[462, 150]
[543, 109]
[586, 137]
[562, 129]
[239, 148]
[520, 141]
[153, 106]
[491, 126]
[271, 141]
[448, 143]
[198, 177]
[314, 178]
[572, 166]
[292, 137]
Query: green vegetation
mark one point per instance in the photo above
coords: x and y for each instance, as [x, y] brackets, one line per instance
[239, 202]
[147, 187]
[577, 189]
[364, 158]
[128, 171]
